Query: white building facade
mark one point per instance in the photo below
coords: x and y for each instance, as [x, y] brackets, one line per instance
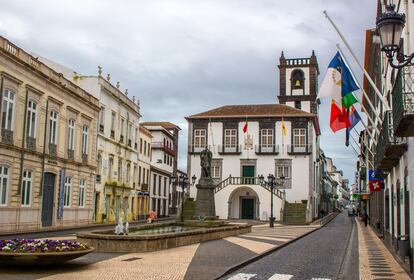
[163, 164]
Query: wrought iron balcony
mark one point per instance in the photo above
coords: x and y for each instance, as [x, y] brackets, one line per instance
[144, 187]
[7, 136]
[31, 143]
[235, 150]
[389, 147]
[71, 154]
[162, 145]
[52, 149]
[299, 149]
[403, 102]
[267, 149]
[85, 158]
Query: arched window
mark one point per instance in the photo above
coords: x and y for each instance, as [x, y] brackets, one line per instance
[297, 79]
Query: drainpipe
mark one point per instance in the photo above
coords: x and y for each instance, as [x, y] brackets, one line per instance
[19, 187]
[44, 149]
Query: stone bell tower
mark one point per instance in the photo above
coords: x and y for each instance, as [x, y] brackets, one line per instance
[299, 82]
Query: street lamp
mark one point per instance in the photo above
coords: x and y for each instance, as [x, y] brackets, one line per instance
[390, 25]
[271, 182]
[182, 181]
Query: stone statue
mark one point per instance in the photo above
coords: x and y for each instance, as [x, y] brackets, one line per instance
[205, 162]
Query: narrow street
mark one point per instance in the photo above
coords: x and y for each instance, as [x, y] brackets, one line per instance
[328, 253]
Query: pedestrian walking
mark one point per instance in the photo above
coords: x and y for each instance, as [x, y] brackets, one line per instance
[366, 217]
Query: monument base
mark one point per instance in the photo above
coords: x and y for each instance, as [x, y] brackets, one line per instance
[205, 207]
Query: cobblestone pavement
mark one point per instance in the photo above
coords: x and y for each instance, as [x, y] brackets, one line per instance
[323, 254]
[375, 261]
[207, 260]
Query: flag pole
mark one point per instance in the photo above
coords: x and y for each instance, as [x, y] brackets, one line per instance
[362, 90]
[367, 146]
[384, 101]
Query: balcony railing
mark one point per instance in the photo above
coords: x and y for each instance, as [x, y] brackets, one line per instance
[161, 145]
[84, 158]
[52, 149]
[267, 149]
[403, 102]
[7, 136]
[299, 149]
[31, 143]
[247, 181]
[389, 147]
[223, 149]
[71, 154]
[144, 187]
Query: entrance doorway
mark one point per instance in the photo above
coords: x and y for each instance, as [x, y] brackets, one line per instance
[248, 171]
[247, 208]
[48, 199]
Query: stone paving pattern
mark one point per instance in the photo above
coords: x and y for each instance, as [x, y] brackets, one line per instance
[375, 261]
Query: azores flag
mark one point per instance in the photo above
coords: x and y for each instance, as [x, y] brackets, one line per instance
[354, 119]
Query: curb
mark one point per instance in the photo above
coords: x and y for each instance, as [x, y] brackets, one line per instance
[272, 250]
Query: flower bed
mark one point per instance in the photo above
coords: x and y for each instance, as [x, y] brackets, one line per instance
[40, 246]
[41, 252]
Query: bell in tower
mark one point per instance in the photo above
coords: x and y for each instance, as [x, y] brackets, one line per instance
[297, 83]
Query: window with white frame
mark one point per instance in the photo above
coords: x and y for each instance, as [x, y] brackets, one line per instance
[81, 197]
[266, 140]
[71, 134]
[4, 183]
[230, 138]
[7, 109]
[85, 139]
[199, 138]
[67, 192]
[283, 171]
[299, 137]
[53, 127]
[113, 118]
[26, 187]
[215, 172]
[31, 119]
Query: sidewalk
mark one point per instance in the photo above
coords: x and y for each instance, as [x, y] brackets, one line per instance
[207, 260]
[375, 261]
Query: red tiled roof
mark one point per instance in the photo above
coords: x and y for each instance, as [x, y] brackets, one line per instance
[260, 110]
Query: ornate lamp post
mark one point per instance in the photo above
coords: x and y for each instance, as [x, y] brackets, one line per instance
[390, 25]
[182, 181]
[271, 182]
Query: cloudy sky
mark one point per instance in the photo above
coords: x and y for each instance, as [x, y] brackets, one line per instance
[187, 56]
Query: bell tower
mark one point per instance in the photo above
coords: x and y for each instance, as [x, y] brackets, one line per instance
[299, 82]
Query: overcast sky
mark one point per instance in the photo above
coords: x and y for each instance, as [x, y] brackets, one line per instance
[184, 57]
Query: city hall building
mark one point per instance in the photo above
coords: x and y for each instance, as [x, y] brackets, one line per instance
[252, 140]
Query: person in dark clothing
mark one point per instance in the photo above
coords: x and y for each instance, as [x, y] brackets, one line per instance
[366, 218]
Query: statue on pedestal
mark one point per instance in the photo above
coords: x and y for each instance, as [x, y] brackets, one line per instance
[205, 206]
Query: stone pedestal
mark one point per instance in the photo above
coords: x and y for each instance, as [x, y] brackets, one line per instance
[205, 206]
